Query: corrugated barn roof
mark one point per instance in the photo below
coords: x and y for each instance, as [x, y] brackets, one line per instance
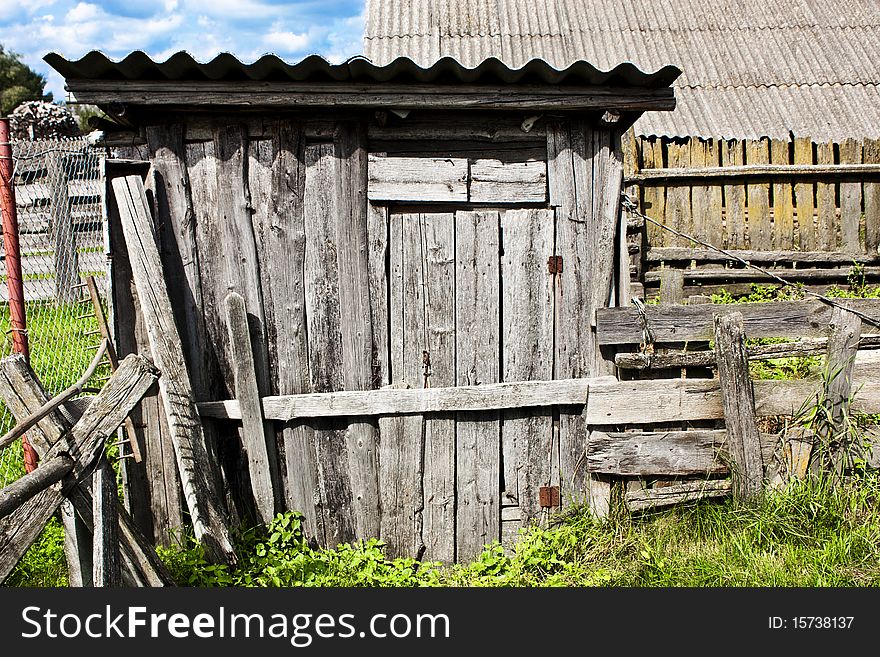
[750, 69]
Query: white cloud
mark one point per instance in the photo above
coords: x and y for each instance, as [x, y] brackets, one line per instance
[83, 12]
[286, 41]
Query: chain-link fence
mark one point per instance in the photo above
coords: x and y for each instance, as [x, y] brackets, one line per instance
[61, 218]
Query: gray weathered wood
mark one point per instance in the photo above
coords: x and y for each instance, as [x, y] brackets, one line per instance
[106, 562]
[474, 127]
[256, 432]
[409, 96]
[21, 490]
[795, 319]
[277, 181]
[21, 528]
[748, 274]
[477, 324]
[851, 196]
[377, 259]
[174, 384]
[23, 393]
[62, 229]
[799, 348]
[669, 453]
[842, 347]
[674, 253]
[527, 335]
[495, 181]
[417, 179]
[671, 286]
[754, 171]
[613, 402]
[649, 498]
[739, 407]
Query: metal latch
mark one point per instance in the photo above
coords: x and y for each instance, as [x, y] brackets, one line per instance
[554, 264]
[548, 496]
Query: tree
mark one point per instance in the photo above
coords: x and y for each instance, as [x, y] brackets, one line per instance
[18, 82]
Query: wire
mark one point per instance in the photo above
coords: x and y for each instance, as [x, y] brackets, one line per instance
[630, 206]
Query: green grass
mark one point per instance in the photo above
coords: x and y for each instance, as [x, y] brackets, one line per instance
[810, 534]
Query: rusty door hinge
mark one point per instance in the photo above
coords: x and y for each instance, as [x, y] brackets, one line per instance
[548, 496]
[554, 264]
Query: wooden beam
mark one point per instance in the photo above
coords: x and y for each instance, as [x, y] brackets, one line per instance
[21, 490]
[256, 434]
[105, 546]
[797, 349]
[842, 347]
[679, 253]
[381, 96]
[738, 397]
[417, 179]
[748, 274]
[650, 498]
[202, 498]
[753, 171]
[783, 319]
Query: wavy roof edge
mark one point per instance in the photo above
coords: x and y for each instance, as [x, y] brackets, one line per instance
[226, 67]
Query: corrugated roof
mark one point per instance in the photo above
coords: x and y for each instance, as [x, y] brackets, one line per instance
[226, 67]
[750, 69]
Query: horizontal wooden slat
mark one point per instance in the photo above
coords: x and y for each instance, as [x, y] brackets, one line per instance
[381, 96]
[494, 181]
[720, 273]
[678, 253]
[455, 127]
[674, 453]
[753, 171]
[611, 402]
[649, 498]
[417, 179]
[762, 320]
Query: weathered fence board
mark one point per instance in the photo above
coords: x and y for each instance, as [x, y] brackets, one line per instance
[417, 179]
[649, 498]
[495, 181]
[477, 317]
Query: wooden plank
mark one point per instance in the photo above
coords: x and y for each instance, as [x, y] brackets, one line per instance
[650, 498]
[496, 181]
[21, 528]
[783, 204]
[758, 195]
[733, 155]
[826, 203]
[671, 254]
[423, 322]
[755, 171]
[762, 320]
[375, 95]
[256, 432]
[614, 402]
[871, 191]
[378, 262]
[106, 563]
[527, 336]
[654, 197]
[417, 179]
[671, 286]
[350, 219]
[670, 453]
[678, 197]
[706, 198]
[77, 546]
[843, 343]
[738, 398]
[477, 328]
[803, 191]
[322, 305]
[850, 198]
[719, 273]
[457, 126]
[189, 444]
[277, 181]
[62, 230]
[46, 474]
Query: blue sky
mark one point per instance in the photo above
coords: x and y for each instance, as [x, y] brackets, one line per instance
[204, 28]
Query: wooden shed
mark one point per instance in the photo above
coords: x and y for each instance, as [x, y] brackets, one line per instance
[433, 241]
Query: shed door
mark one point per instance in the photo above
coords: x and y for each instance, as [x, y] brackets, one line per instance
[471, 302]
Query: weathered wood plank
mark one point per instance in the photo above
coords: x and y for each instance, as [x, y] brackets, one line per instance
[783, 202]
[649, 498]
[733, 155]
[256, 432]
[45, 475]
[495, 181]
[758, 195]
[65, 250]
[417, 179]
[850, 199]
[477, 328]
[803, 191]
[106, 561]
[738, 398]
[826, 204]
[871, 192]
[654, 197]
[277, 182]
[189, 444]
[21, 528]
[671, 286]
[812, 274]
[762, 320]
[457, 126]
[613, 402]
[671, 253]
[753, 171]
[527, 336]
[378, 263]
[843, 343]
[669, 453]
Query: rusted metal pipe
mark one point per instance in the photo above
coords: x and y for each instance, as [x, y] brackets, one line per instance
[11, 246]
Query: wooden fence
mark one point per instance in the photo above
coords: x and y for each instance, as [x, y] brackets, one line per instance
[809, 209]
